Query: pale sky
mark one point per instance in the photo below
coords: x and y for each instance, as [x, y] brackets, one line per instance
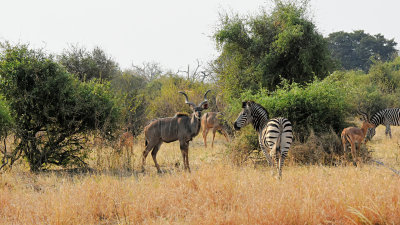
[174, 33]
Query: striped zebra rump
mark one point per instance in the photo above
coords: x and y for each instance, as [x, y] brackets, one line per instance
[278, 136]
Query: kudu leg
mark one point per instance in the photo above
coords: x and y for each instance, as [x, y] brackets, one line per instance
[154, 155]
[212, 143]
[146, 151]
[185, 154]
[205, 132]
[226, 135]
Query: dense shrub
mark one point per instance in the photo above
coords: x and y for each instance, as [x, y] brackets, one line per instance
[51, 108]
[6, 121]
[243, 145]
[319, 106]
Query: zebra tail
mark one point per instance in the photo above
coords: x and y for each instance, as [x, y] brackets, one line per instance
[277, 145]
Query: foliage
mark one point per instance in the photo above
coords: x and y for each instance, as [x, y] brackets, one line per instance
[52, 110]
[320, 106]
[6, 121]
[357, 50]
[164, 99]
[260, 51]
[374, 91]
[88, 65]
[130, 88]
[243, 145]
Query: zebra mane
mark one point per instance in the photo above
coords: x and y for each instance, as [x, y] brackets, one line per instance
[259, 114]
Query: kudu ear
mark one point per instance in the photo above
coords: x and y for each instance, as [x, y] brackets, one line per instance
[205, 106]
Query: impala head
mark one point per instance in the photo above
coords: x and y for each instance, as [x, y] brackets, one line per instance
[365, 118]
[244, 117]
[197, 109]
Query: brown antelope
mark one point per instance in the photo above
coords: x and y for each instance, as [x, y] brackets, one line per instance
[215, 121]
[181, 127]
[355, 135]
[126, 140]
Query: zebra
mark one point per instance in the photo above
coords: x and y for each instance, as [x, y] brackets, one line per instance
[275, 135]
[385, 117]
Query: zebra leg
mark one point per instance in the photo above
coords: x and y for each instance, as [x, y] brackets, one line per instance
[274, 159]
[277, 163]
[267, 153]
[281, 160]
[268, 157]
[388, 131]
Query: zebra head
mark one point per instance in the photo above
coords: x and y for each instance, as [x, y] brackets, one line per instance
[244, 117]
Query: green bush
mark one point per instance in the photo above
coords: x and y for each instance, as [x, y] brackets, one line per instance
[374, 91]
[6, 121]
[320, 106]
[52, 109]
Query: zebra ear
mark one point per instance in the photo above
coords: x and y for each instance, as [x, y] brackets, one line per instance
[244, 104]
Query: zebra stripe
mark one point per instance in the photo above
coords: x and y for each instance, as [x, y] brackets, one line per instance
[385, 117]
[275, 136]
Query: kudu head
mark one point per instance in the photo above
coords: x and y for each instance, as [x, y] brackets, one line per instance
[199, 108]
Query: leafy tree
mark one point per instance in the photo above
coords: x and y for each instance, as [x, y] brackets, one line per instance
[163, 97]
[357, 50]
[260, 51]
[149, 70]
[6, 125]
[6, 121]
[130, 89]
[52, 110]
[373, 91]
[88, 65]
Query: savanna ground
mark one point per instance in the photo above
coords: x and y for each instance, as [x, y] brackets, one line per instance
[215, 192]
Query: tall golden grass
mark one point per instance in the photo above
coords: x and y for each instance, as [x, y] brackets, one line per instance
[216, 192]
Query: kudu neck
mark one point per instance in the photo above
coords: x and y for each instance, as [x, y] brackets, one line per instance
[195, 123]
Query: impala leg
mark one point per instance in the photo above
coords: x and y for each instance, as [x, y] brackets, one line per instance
[154, 155]
[353, 152]
[344, 143]
[185, 154]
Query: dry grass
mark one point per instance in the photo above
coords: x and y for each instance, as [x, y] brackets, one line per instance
[214, 193]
